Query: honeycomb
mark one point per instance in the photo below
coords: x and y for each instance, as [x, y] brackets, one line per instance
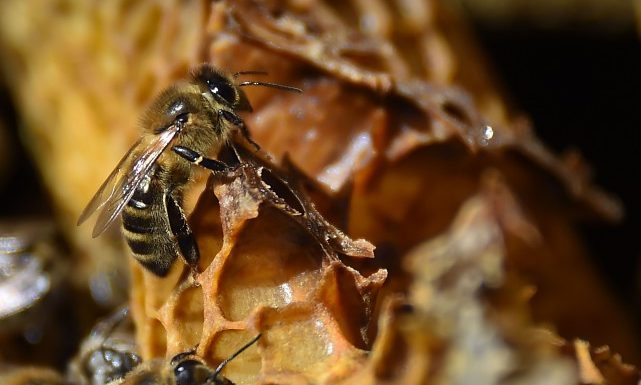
[403, 223]
[465, 319]
[272, 266]
[410, 146]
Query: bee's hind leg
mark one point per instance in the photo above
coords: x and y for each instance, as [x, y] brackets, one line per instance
[185, 239]
[194, 157]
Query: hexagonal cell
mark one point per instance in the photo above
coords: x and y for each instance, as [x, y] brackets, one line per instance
[272, 265]
[243, 369]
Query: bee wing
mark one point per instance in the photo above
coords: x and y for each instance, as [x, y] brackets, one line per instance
[107, 188]
[121, 184]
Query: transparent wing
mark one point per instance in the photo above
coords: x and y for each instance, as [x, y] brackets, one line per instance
[121, 184]
[108, 187]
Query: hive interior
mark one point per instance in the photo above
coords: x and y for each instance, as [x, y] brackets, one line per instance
[401, 138]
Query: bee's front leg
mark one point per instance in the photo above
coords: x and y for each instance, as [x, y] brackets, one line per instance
[181, 231]
[195, 158]
[238, 122]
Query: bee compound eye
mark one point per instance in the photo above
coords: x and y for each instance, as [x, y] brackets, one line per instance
[188, 372]
[218, 84]
[223, 89]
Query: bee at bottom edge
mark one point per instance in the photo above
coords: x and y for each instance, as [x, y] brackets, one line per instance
[183, 369]
[147, 185]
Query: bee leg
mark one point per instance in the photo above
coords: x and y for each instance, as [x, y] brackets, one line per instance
[182, 232]
[237, 121]
[194, 157]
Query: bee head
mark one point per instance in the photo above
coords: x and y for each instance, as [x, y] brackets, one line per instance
[221, 88]
[190, 371]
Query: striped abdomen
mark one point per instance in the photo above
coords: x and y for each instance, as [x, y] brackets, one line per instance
[146, 227]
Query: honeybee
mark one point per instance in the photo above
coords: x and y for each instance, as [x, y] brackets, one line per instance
[183, 369]
[147, 184]
[108, 354]
[105, 357]
[109, 359]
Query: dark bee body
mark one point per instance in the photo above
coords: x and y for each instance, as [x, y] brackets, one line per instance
[147, 185]
[147, 233]
[146, 224]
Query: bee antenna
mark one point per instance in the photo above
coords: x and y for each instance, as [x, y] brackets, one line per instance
[222, 365]
[271, 85]
[110, 324]
[179, 357]
[240, 73]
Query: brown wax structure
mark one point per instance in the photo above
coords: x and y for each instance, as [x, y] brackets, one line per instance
[402, 224]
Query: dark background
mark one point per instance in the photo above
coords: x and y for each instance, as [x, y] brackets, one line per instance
[582, 89]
